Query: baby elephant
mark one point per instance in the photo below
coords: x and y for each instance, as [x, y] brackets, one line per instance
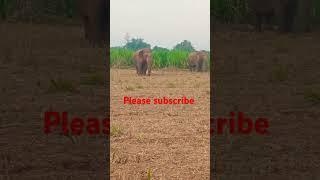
[143, 61]
[198, 61]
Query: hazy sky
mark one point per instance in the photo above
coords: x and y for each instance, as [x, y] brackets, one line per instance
[161, 22]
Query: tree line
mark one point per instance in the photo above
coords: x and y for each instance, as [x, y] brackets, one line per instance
[139, 43]
[237, 11]
[226, 11]
[27, 9]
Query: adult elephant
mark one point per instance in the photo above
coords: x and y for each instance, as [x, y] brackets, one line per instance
[198, 61]
[95, 18]
[143, 61]
[289, 15]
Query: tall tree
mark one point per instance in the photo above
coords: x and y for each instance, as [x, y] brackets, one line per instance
[185, 46]
[135, 44]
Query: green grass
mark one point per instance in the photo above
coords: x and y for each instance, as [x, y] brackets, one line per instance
[94, 79]
[312, 96]
[61, 85]
[121, 57]
[177, 59]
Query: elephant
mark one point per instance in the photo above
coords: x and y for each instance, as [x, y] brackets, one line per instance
[95, 19]
[289, 15]
[143, 61]
[198, 61]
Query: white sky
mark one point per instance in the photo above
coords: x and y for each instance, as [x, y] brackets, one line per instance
[164, 23]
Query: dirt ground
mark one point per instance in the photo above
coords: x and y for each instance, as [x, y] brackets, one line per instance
[35, 56]
[267, 75]
[275, 76]
[172, 141]
[31, 57]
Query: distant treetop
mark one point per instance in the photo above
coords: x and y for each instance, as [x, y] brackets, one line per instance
[157, 48]
[136, 43]
[185, 46]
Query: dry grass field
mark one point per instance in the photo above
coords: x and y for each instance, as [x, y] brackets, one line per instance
[275, 76]
[32, 57]
[143, 138]
[170, 141]
[269, 75]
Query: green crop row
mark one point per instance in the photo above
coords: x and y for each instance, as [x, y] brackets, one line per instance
[121, 57]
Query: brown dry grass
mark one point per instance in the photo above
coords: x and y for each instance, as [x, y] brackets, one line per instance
[274, 76]
[170, 140]
[31, 57]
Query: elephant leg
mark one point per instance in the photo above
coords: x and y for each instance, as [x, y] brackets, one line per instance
[193, 67]
[259, 23]
[86, 27]
[203, 67]
[144, 69]
[200, 64]
[197, 67]
[149, 65]
[268, 21]
[139, 68]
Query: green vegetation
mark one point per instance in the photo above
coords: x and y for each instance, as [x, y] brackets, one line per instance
[121, 57]
[184, 46]
[162, 57]
[61, 85]
[94, 79]
[36, 8]
[228, 11]
[135, 44]
[157, 48]
[312, 96]
[237, 11]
